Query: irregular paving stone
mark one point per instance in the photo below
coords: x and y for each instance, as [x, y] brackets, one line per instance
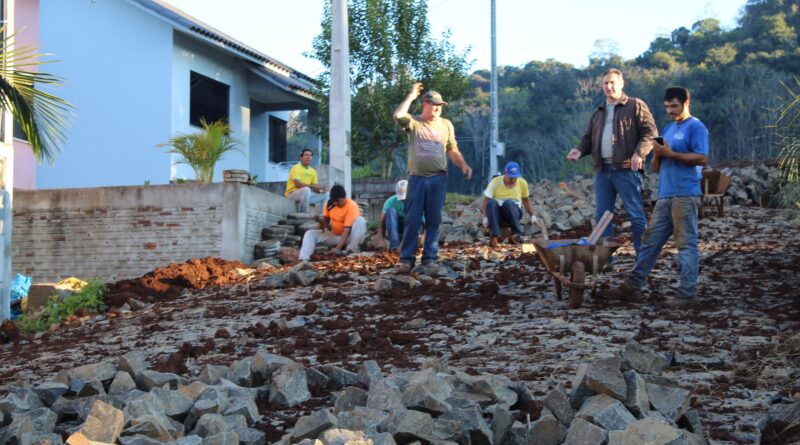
[211, 374]
[102, 371]
[235, 421]
[245, 407]
[146, 405]
[37, 420]
[602, 377]
[188, 440]
[316, 379]
[648, 431]
[250, 436]
[40, 438]
[636, 398]
[224, 438]
[241, 373]
[265, 363]
[547, 430]
[350, 398]
[159, 427]
[20, 400]
[309, 427]
[303, 278]
[175, 404]
[404, 282]
[557, 402]
[86, 388]
[643, 358]
[340, 377]
[151, 379]
[363, 419]
[138, 440]
[337, 436]
[670, 401]
[49, 392]
[384, 396]
[210, 424]
[104, 423]
[382, 284]
[691, 421]
[409, 425]
[581, 432]
[289, 386]
[427, 392]
[369, 372]
[193, 390]
[614, 417]
[501, 422]
[122, 383]
[470, 423]
[276, 281]
[133, 363]
[500, 389]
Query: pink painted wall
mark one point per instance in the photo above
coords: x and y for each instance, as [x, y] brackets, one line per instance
[26, 22]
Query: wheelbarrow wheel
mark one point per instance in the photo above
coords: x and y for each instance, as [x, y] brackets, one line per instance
[575, 292]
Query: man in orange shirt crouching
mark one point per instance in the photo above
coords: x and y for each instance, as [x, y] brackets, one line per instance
[341, 225]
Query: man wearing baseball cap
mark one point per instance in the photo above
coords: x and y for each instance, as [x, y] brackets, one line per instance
[393, 216]
[502, 204]
[431, 140]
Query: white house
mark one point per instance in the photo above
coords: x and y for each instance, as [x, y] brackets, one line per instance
[140, 71]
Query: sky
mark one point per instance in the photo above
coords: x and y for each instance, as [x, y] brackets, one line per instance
[565, 30]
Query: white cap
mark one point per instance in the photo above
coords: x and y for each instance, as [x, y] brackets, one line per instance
[401, 188]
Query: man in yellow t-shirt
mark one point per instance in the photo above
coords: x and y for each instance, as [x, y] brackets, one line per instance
[302, 185]
[502, 203]
[347, 227]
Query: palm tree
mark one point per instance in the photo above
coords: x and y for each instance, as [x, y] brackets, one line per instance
[42, 118]
[202, 150]
[787, 126]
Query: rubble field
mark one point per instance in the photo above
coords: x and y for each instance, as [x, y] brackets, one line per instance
[488, 311]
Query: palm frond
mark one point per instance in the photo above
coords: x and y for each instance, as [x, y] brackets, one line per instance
[202, 150]
[42, 117]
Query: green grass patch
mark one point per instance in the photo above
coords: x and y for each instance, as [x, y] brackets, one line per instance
[87, 300]
[454, 199]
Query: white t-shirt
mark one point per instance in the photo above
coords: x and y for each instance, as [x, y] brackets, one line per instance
[607, 144]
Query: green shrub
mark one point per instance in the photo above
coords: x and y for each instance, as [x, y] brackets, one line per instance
[364, 171]
[87, 300]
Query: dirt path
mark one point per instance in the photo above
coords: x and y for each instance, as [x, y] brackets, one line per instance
[497, 316]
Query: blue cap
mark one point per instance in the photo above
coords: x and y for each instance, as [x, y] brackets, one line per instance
[512, 170]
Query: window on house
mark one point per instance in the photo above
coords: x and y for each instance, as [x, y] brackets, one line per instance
[277, 140]
[18, 134]
[208, 100]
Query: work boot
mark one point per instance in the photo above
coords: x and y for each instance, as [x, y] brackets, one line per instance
[680, 300]
[624, 293]
[404, 268]
[494, 242]
[514, 239]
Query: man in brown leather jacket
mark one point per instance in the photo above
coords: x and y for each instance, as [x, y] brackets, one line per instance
[619, 137]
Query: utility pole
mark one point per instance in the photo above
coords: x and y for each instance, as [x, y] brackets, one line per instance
[6, 186]
[339, 120]
[493, 144]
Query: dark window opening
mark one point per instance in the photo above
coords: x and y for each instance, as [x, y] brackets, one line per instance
[277, 140]
[208, 100]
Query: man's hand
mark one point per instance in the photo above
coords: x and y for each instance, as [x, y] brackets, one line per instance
[636, 162]
[574, 154]
[416, 90]
[338, 252]
[662, 150]
[467, 170]
[534, 220]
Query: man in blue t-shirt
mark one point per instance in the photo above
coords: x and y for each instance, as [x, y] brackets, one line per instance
[393, 216]
[679, 159]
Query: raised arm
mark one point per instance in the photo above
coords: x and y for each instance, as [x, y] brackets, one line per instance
[402, 110]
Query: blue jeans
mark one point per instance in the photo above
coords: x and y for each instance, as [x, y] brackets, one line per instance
[608, 183]
[509, 214]
[394, 227]
[425, 196]
[678, 216]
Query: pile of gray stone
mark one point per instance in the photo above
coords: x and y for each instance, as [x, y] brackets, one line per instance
[301, 274]
[619, 400]
[288, 233]
[754, 185]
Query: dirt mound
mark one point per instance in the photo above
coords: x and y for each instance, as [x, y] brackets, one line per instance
[168, 282]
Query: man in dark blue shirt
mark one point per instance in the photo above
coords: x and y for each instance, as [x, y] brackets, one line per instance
[679, 159]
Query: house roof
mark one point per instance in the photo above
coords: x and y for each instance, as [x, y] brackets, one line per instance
[285, 76]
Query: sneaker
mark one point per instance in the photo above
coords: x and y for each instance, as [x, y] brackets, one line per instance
[494, 242]
[404, 268]
[623, 293]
